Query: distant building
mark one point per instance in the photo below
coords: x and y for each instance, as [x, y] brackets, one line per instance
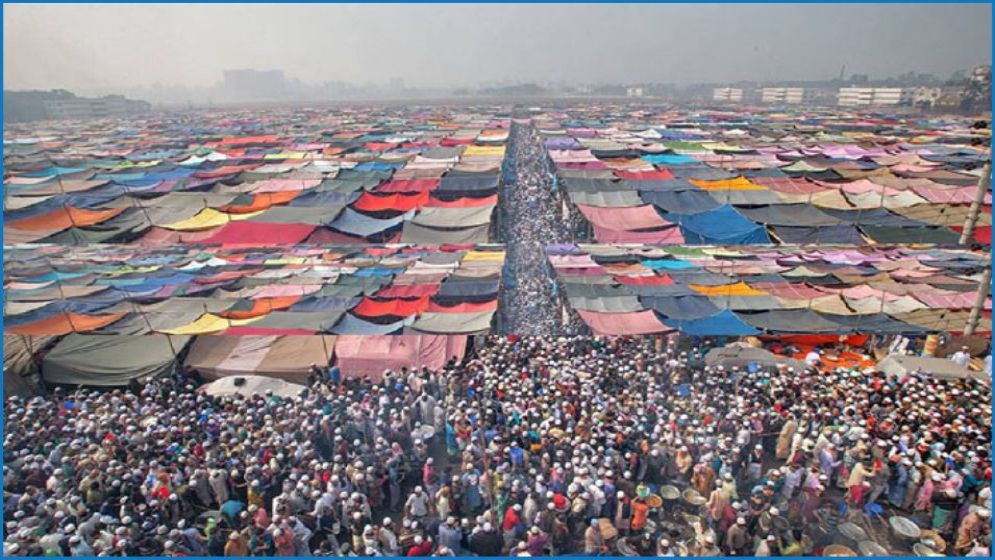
[785, 95]
[950, 98]
[255, 84]
[866, 96]
[734, 95]
[634, 92]
[925, 96]
[25, 106]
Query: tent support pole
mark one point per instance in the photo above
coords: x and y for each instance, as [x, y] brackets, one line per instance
[979, 301]
[984, 183]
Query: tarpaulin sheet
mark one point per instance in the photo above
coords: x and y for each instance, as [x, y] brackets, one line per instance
[62, 218]
[624, 219]
[464, 183]
[724, 225]
[842, 234]
[313, 321]
[734, 289]
[745, 303]
[350, 324]
[414, 233]
[207, 323]
[680, 308]
[655, 175]
[289, 215]
[111, 361]
[801, 215]
[453, 217]
[792, 321]
[878, 324]
[468, 288]
[318, 199]
[886, 234]
[408, 291]
[745, 197]
[368, 356]
[283, 357]
[377, 307]
[462, 202]
[612, 199]
[614, 324]
[64, 323]
[595, 185]
[680, 201]
[457, 323]
[724, 323]
[354, 223]
[400, 202]
[465, 307]
[259, 233]
[661, 236]
[327, 303]
[620, 304]
[258, 202]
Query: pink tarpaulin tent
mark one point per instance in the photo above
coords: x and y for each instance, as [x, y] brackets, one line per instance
[638, 322]
[370, 355]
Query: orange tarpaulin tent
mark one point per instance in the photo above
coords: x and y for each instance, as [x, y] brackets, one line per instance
[737, 184]
[737, 289]
[401, 202]
[262, 201]
[371, 307]
[262, 306]
[64, 323]
[65, 217]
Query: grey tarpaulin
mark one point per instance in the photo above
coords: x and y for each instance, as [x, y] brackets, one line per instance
[454, 323]
[414, 233]
[111, 361]
[620, 304]
[454, 217]
[741, 356]
[899, 365]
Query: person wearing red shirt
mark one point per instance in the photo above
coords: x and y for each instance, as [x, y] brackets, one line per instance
[422, 547]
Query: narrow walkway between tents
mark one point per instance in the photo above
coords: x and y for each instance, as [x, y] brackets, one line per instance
[531, 207]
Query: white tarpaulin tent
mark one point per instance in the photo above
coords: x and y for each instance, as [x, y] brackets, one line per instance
[251, 385]
[900, 364]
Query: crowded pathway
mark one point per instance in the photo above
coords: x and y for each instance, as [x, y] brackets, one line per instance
[535, 446]
[531, 218]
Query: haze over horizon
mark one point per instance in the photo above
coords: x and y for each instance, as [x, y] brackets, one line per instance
[107, 48]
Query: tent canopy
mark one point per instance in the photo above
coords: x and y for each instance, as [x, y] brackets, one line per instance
[111, 361]
[899, 365]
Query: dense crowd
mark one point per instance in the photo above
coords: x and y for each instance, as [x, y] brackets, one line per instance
[532, 219]
[533, 446]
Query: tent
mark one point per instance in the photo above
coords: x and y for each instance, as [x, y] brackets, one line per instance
[899, 365]
[736, 355]
[370, 355]
[251, 385]
[111, 361]
[285, 357]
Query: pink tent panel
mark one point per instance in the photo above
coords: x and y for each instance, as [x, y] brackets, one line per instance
[665, 236]
[370, 355]
[612, 324]
[627, 219]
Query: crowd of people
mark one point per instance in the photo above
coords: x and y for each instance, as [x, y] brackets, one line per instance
[531, 446]
[531, 220]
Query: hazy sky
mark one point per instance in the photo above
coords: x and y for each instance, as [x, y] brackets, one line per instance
[120, 45]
